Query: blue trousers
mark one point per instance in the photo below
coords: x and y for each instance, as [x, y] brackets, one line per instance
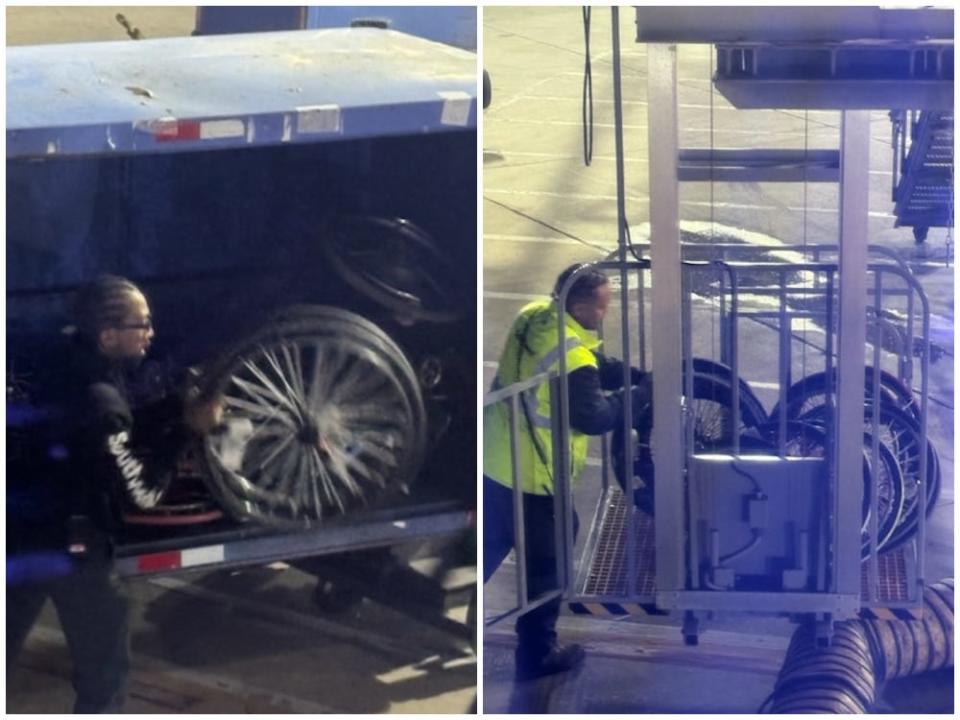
[536, 630]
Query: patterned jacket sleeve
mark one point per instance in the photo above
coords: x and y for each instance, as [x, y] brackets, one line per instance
[136, 460]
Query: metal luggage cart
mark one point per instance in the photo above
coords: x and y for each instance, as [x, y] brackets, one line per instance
[786, 504]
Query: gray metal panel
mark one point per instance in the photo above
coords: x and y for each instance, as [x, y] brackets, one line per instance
[751, 93]
[758, 165]
[792, 24]
[665, 330]
[842, 606]
[854, 206]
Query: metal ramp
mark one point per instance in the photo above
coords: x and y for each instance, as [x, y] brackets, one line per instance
[924, 190]
[603, 568]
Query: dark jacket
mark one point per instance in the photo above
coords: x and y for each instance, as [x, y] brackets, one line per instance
[123, 458]
[594, 410]
[95, 457]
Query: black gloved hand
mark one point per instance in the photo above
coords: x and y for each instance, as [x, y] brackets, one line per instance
[642, 404]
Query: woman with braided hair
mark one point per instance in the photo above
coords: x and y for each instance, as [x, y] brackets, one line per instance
[113, 458]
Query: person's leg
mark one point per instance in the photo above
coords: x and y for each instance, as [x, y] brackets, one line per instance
[24, 603]
[93, 608]
[538, 652]
[536, 630]
[497, 525]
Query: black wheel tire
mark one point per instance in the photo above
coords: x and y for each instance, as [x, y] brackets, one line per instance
[487, 90]
[809, 392]
[358, 460]
[390, 260]
[710, 387]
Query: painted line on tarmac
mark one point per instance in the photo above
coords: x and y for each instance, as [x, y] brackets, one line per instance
[692, 203]
[610, 126]
[554, 239]
[605, 158]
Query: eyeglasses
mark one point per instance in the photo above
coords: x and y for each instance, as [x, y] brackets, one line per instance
[146, 325]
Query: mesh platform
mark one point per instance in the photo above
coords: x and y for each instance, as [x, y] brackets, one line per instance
[606, 568]
[892, 580]
[607, 571]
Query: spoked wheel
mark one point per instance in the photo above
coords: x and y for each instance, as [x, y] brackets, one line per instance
[394, 263]
[808, 439]
[323, 413]
[811, 392]
[712, 427]
[900, 435]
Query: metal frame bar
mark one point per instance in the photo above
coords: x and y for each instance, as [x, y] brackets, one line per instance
[851, 339]
[665, 255]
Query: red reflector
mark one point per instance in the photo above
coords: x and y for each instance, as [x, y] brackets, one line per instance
[180, 130]
[159, 561]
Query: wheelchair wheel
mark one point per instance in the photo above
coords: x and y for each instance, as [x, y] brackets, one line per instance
[323, 414]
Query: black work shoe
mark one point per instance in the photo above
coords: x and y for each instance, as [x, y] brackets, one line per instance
[559, 659]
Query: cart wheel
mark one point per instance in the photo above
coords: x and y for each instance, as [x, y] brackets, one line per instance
[807, 438]
[712, 417]
[810, 392]
[323, 414]
[900, 434]
[394, 263]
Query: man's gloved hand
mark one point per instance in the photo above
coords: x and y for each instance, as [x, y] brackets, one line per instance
[642, 403]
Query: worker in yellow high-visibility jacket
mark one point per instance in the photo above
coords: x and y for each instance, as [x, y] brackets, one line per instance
[596, 406]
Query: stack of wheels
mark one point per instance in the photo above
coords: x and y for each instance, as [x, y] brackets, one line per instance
[713, 430]
[898, 438]
[897, 479]
[323, 415]
[808, 439]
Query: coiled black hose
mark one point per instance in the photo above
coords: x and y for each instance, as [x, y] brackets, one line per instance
[845, 677]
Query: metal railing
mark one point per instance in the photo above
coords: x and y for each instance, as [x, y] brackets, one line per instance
[512, 396]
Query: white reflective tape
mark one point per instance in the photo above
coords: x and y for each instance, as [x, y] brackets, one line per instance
[216, 129]
[202, 555]
[319, 119]
[456, 107]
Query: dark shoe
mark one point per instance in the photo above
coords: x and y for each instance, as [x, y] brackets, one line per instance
[557, 660]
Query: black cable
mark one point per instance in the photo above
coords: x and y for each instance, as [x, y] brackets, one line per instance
[587, 103]
[748, 476]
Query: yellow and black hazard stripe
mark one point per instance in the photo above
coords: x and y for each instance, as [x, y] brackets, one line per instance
[616, 609]
[881, 613]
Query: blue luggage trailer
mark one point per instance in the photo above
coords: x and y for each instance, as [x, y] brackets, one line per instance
[213, 172]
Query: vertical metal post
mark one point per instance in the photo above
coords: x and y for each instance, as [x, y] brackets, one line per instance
[519, 531]
[562, 512]
[641, 321]
[624, 303]
[872, 569]
[734, 358]
[784, 361]
[851, 340]
[665, 321]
